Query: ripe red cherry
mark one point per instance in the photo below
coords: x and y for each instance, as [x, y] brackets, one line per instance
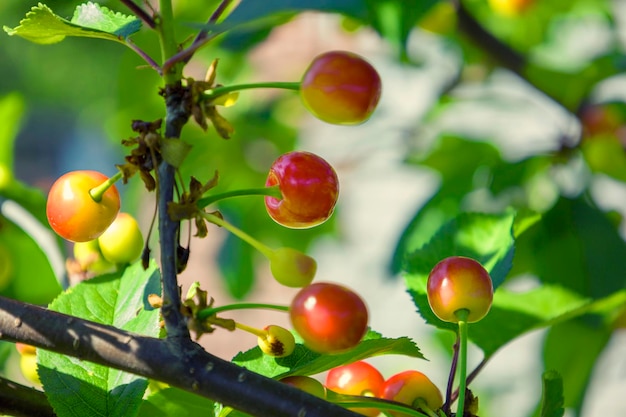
[357, 378]
[411, 388]
[340, 87]
[458, 283]
[73, 213]
[329, 317]
[309, 186]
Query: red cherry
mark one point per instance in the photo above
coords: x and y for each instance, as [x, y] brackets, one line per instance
[73, 213]
[340, 87]
[357, 378]
[329, 317]
[459, 283]
[309, 187]
[411, 388]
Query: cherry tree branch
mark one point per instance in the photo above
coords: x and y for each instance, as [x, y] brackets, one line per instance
[178, 362]
[21, 401]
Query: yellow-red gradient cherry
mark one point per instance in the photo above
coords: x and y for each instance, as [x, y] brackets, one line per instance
[357, 378]
[329, 317]
[341, 87]
[73, 213]
[309, 186]
[410, 386]
[458, 283]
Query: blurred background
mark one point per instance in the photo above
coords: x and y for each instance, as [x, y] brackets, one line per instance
[467, 122]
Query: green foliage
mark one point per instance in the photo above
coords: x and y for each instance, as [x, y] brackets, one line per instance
[166, 402]
[306, 362]
[90, 20]
[76, 387]
[552, 395]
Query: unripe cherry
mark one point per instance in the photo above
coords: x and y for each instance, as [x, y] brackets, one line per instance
[292, 268]
[277, 341]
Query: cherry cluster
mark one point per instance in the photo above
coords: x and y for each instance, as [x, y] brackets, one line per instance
[301, 191]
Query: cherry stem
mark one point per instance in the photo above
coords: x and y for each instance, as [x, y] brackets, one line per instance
[455, 360]
[264, 249]
[268, 191]
[423, 405]
[207, 312]
[250, 329]
[359, 401]
[216, 92]
[97, 192]
[462, 316]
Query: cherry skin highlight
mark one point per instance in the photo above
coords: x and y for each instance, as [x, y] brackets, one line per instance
[72, 212]
[309, 186]
[341, 87]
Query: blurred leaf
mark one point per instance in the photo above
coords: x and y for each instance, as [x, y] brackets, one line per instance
[303, 361]
[11, 111]
[90, 20]
[168, 402]
[564, 249]
[606, 155]
[456, 160]
[395, 19]
[74, 387]
[235, 259]
[572, 348]
[28, 275]
[552, 395]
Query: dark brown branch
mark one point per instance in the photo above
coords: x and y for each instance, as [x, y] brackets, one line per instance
[20, 401]
[140, 13]
[178, 362]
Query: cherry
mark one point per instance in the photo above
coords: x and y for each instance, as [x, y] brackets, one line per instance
[340, 87]
[28, 362]
[412, 388]
[329, 317]
[309, 187]
[306, 384]
[292, 268]
[122, 241]
[90, 258]
[73, 213]
[357, 378]
[459, 283]
[277, 341]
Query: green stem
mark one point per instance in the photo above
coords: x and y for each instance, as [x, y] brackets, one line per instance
[207, 312]
[251, 330]
[462, 316]
[423, 405]
[357, 401]
[169, 47]
[96, 193]
[213, 93]
[269, 191]
[264, 249]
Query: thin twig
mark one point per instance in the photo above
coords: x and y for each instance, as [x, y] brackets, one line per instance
[140, 13]
[201, 39]
[144, 55]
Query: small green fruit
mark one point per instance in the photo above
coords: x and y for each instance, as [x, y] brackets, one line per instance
[292, 268]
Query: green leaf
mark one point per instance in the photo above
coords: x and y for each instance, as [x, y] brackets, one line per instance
[572, 348]
[11, 112]
[487, 238]
[26, 273]
[90, 20]
[235, 259]
[552, 395]
[77, 388]
[306, 362]
[170, 401]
